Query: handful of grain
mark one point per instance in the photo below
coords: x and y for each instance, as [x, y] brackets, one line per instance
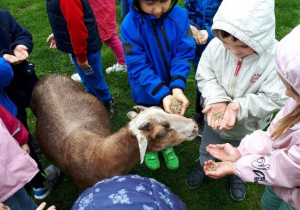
[214, 167]
[175, 106]
[198, 35]
[217, 115]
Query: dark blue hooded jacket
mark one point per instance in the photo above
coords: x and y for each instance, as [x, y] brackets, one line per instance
[157, 52]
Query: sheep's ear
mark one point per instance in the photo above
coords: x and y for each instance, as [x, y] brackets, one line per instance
[140, 108]
[143, 143]
[144, 126]
[131, 115]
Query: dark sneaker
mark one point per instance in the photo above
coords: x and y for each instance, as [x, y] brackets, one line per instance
[196, 177]
[237, 188]
[110, 108]
[52, 174]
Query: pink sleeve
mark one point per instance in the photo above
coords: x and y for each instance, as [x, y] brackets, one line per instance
[279, 168]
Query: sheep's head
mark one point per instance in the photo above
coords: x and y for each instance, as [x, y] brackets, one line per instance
[157, 130]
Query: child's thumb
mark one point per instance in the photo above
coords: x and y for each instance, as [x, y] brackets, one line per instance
[207, 108]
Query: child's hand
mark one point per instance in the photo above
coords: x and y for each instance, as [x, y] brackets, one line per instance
[53, 42]
[202, 37]
[84, 65]
[11, 59]
[181, 98]
[223, 152]
[215, 114]
[26, 148]
[229, 117]
[21, 52]
[223, 169]
[167, 102]
[43, 205]
[4, 207]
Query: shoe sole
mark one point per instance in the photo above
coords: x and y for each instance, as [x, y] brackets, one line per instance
[235, 198]
[152, 168]
[192, 187]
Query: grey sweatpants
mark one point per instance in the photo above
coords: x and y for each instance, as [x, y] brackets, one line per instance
[209, 136]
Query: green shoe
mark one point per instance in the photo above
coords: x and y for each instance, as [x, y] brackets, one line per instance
[152, 161]
[171, 159]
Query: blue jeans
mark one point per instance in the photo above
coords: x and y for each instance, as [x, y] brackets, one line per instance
[124, 8]
[209, 136]
[93, 79]
[21, 201]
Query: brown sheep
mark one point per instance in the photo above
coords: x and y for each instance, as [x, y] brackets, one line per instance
[74, 132]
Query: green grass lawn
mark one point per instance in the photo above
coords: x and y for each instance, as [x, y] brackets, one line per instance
[213, 194]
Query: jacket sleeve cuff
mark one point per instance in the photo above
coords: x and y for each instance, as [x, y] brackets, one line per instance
[81, 58]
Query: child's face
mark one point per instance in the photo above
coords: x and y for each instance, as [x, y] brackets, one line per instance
[289, 91]
[156, 8]
[237, 48]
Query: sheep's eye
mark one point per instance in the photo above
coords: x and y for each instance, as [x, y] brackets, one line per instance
[166, 125]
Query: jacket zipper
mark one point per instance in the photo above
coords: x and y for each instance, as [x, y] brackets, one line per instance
[161, 50]
[165, 38]
[235, 78]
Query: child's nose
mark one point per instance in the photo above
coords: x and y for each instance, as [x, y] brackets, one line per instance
[157, 10]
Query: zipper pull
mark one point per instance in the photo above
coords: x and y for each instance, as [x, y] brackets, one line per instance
[238, 67]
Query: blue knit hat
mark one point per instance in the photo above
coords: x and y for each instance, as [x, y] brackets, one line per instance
[6, 73]
[128, 192]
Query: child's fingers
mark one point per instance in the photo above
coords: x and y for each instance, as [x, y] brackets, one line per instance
[42, 206]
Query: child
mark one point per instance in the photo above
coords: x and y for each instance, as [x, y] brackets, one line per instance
[201, 15]
[128, 192]
[105, 14]
[17, 168]
[17, 79]
[237, 79]
[158, 46]
[271, 157]
[15, 46]
[75, 31]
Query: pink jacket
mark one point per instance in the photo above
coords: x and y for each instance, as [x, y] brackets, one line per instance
[277, 163]
[16, 166]
[105, 14]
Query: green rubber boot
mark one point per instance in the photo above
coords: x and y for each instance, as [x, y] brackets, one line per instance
[152, 161]
[171, 159]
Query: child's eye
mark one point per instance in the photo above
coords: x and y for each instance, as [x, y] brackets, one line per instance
[245, 47]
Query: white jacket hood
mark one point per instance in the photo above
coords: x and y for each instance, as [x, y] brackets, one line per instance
[256, 29]
[288, 58]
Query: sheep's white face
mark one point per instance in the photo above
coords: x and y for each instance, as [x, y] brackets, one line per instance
[157, 130]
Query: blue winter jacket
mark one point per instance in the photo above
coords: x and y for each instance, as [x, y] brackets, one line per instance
[6, 75]
[201, 14]
[157, 53]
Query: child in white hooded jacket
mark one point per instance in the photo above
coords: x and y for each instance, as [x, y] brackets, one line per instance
[273, 157]
[237, 78]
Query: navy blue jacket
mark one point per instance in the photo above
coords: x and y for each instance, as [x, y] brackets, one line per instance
[83, 42]
[12, 34]
[201, 14]
[157, 53]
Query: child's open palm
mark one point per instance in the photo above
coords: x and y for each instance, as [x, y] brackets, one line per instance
[224, 169]
[21, 52]
[214, 114]
[229, 117]
[223, 152]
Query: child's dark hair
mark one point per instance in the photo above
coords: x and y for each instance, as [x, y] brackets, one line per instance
[225, 34]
